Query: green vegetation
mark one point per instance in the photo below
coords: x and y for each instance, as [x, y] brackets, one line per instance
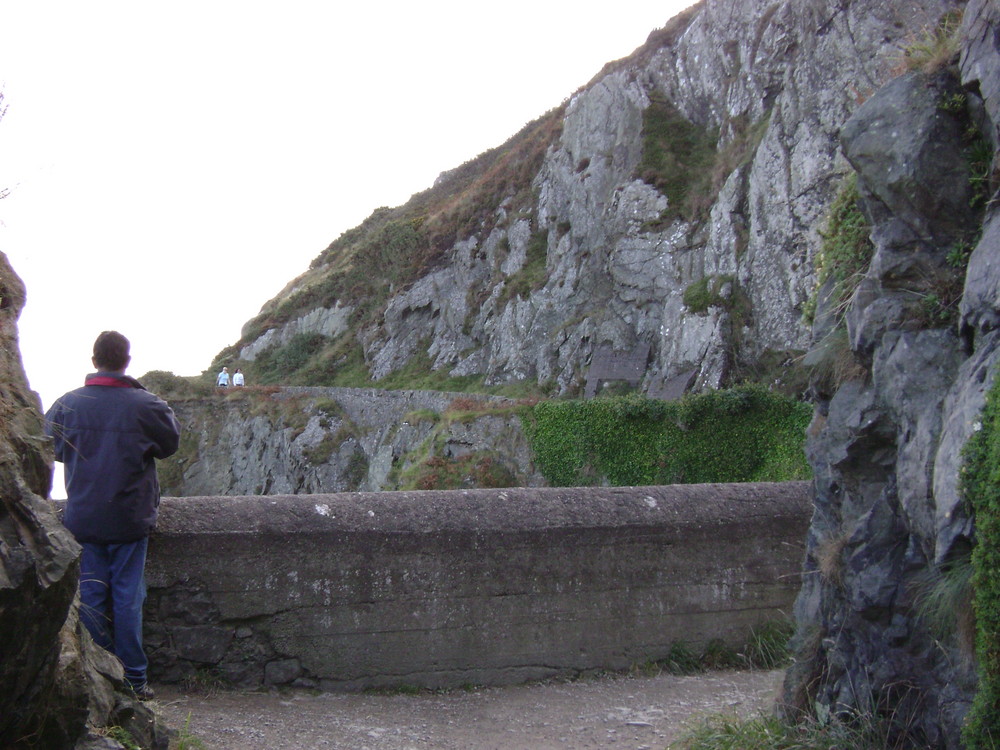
[766, 648]
[533, 274]
[684, 161]
[170, 471]
[874, 729]
[418, 375]
[943, 597]
[479, 469]
[185, 740]
[431, 469]
[205, 681]
[939, 302]
[706, 292]
[841, 263]
[847, 249]
[677, 156]
[320, 453]
[934, 48]
[176, 387]
[782, 370]
[278, 363]
[703, 294]
[123, 737]
[979, 157]
[980, 487]
[745, 434]
[769, 732]
[357, 469]
[422, 415]
[343, 365]
[738, 150]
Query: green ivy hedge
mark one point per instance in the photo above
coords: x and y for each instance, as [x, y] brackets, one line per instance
[980, 482]
[745, 434]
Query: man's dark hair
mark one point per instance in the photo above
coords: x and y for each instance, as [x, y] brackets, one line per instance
[111, 351]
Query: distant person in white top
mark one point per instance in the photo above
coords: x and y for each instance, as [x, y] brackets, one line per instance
[223, 380]
[238, 377]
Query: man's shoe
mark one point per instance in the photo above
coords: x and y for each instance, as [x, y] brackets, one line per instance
[144, 692]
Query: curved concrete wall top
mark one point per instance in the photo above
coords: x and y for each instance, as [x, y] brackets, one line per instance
[684, 507]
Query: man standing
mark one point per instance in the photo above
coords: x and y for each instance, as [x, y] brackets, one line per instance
[107, 434]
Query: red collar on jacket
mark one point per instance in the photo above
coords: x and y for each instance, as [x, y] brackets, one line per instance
[114, 381]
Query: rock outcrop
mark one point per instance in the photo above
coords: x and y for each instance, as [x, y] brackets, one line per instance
[886, 445]
[599, 246]
[59, 689]
[301, 440]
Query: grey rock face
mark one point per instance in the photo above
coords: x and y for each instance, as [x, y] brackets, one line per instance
[916, 175]
[981, 300]
[309, 440]
[784, 84]
[980, 61]
[776, 81]
[886, 447]
[326, 322]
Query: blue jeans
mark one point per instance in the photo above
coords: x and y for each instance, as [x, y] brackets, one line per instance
[112, 592]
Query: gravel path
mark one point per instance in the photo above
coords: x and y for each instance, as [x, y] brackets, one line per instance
[610, 712]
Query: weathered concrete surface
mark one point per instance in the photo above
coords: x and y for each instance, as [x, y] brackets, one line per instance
[440, 589]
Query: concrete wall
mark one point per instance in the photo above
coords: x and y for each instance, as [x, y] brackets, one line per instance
[441, 589]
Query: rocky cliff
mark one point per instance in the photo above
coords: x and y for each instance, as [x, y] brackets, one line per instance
[918, 321]
[300, 440]
[59, 689]
[675, 202]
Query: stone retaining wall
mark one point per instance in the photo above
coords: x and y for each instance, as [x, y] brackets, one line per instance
[441, 589]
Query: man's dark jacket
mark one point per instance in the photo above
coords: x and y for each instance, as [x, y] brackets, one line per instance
[107, 434]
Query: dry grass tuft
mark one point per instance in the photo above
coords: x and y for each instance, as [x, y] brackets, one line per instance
[829, 559]
[933, 48]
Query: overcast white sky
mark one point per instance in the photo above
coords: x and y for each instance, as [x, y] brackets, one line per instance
[174, 165]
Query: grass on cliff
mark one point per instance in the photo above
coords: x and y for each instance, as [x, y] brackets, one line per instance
[846, 252]
[688, 163]
[389, 251]
[933, 47]
[395, 246]
[765, 647]
[533, 274]
[430, 469]
[677, 155]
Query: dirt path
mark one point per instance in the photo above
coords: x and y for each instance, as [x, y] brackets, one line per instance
[611, 712]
